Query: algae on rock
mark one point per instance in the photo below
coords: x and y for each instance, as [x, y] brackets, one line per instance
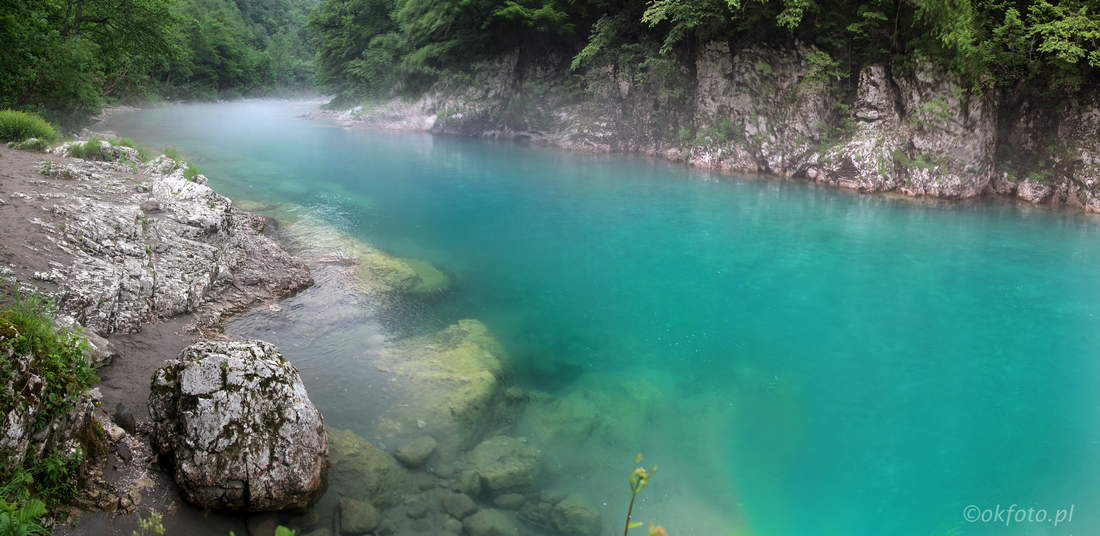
[453, 380]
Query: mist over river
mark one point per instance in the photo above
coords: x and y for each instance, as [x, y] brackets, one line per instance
[797, 360]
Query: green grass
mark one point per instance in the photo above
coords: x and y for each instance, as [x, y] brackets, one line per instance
[191, 172]
[144, 154]
[90, 150]
[20, 126]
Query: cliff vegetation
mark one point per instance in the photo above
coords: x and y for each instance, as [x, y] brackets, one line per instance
[373, 48]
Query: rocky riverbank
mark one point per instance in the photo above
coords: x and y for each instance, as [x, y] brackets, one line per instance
[147, 259]
[915, 129]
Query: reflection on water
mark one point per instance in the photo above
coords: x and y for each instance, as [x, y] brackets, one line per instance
[796, 360]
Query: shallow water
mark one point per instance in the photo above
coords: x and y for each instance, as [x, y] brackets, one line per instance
[797, 360]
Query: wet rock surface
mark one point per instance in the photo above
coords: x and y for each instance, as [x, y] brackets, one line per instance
[236, 421]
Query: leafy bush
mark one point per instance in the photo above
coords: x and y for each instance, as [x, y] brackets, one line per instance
[21, 521]
[28, 328]
[19, 126]
[56, 474]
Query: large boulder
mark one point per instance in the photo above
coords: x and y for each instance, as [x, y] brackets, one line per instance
[235, 419]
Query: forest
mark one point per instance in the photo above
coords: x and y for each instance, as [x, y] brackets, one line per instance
[65, 59]
[375, 48]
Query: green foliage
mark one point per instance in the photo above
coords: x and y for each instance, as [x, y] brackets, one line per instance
[233, 49]
[18, 126]
[922, 161]
[933, 114]
[32, 144]
[823, 69]
[21, 521]
[57, 474]
[27, 328]
[59, 357]
[66, 59]
[191, 172]
[91, 150]
[687, 17]
[148, 526]
[144, 154]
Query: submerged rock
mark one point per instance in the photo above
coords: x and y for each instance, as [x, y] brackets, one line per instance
[573, 515]
[504, 463]
[362, 471]
[239, 427]
[491, 522]
[414, 453]
[453, 387]
[357, 517]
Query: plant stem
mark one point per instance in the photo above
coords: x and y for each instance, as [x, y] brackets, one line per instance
[628, 510]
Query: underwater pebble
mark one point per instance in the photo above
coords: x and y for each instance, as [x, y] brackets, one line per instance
[459, 505]
[416, 509]
[452, 525]
[386, 528]
[420, 423]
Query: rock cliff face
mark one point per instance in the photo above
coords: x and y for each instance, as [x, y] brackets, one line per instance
[913, 129]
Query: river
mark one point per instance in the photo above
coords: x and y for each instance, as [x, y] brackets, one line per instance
[797, 360]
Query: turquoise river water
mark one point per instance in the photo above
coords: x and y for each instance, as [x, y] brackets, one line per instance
[797, 360]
